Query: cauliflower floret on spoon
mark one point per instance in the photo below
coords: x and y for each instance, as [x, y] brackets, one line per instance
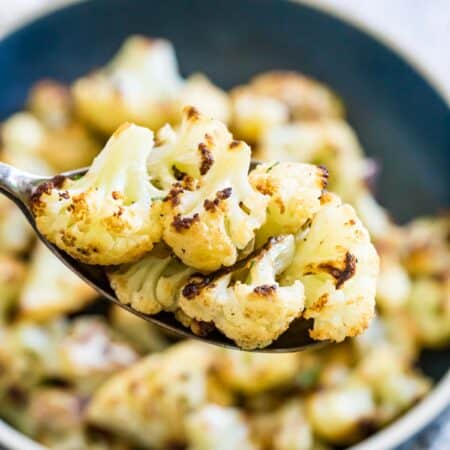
[294, 192]
[338, 267]
[211, 212]
[248, 304]
[111, 214]
[151, 284]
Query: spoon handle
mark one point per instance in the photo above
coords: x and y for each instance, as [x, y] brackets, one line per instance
[17, 184]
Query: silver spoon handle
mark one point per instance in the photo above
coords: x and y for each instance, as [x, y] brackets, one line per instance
[16, 183]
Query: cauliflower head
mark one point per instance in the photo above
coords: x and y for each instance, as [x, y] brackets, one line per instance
[212, 211]
[248, 304]
[137, 86]
[338, 266]
[294, 191]
[151, 284]
[111, 214]
[150, 401]
[215, 427]
[50, 289]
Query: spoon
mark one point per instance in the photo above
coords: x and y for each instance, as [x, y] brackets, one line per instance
[19, 186]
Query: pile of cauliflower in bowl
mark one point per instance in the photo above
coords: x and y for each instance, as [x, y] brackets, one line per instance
[181, 223]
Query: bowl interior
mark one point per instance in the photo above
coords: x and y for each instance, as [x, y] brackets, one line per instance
[400, 119]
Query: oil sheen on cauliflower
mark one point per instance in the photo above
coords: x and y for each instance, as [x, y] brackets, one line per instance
[151, 284]
[211, 212]
[111, 214]
[248, 304]
[338, 266]
[294, 191]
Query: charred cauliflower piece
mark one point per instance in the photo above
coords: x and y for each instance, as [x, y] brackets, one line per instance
[111, 214]
[338, 266]
[51, 289]
[248, 304]
[151, 284]
[142, 84]
[216, 427]
[150, 401]
[211, 212]
[294, 192]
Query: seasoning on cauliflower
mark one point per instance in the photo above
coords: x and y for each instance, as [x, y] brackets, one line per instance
[51, 289]
[111, 214]
[12, 274]
[248, 304]
[294, 192]
[211, 212]
[150, 401]
[215, 427]
[151, 284]
[142, 84]
[338, 266]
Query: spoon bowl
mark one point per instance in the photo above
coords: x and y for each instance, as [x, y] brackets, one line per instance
[19, 187]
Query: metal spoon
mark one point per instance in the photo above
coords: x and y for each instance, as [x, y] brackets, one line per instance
[19, 186]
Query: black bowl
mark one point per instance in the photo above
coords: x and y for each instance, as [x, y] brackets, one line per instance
[401, 121]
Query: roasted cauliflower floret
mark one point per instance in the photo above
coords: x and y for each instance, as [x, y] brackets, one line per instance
[137, 86]
[211, 212]
[142, 84]
[329, 142]
[151, 284]
[338, 266]
[12, 274]
[276, 97]
[394, 384]
[216, 427]
[51, 289]
[294, 192]
[150, 401]
[428, 248]
[341, 415]
[248, 304]
[252, 373]
[21, 138]
[428, 308]
[111, 214]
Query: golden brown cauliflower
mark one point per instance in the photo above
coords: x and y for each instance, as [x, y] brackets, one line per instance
[151, 284]
[338, 266]
[211, 212]
[150, 401]
[248, 304]
[142, 84]
[111, 214]
[51, 289]
[294, 191]
[215, 427]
